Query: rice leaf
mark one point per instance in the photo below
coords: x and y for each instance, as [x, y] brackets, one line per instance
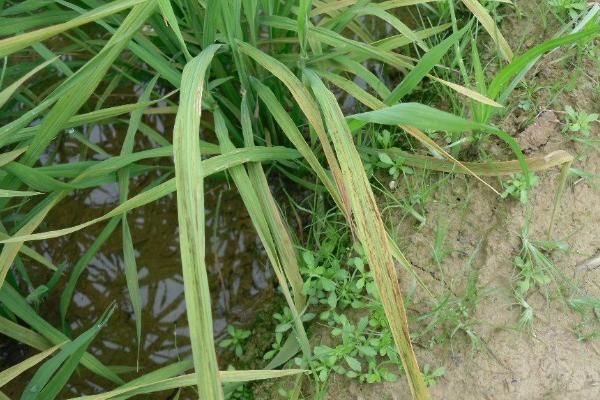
[502, 78]
[15, 303]
[12, 372]
[43, 385]
[422, 117]
[131, 274]
[171, 19]
[15, 43]
[17, 193]
[371, 232]
[213, 165]
[428, 61]
[23, 335]
[490, 26]
[492, 168]
[257, 211]
[190, 212]
[9, 156]
[66, 296]
[189, 380]
[31, 253]
[293, 134]
[280, 230]
[306, 103]
[9, 91]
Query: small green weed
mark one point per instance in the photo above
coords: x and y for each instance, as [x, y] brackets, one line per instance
[451, 315]
[519, 185]
[432, 375]
[394, 167]
[341, 291]
[578, 124]
[236, 340]
[588, 309]
[242, 392]
[570, 8]
[536, 270]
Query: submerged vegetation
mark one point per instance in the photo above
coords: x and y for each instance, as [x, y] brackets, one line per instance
[300, 105]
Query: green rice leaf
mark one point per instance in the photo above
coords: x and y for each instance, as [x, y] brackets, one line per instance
[15, 43]
[131, 274]
[171, 19]
[17, 193]
[16, 304]
[66, 296]
[428, 61]
[211, 166]
[23, 335]
[422, 117]
[257, 209]
[43, 385]
[481, 13]
[9, 91]
[504, 76]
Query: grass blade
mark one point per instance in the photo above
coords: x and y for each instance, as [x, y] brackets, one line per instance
[131, 274]
[306, 103]
[256, 209]
[190, 380]
[210, 166]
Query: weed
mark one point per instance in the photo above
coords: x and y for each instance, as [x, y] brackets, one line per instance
[431, 376]
[570, 8]
[394, 167]
[449, 316]
[236, 340]
[578, 124]
[242, 392]
[588, 309]
[519, 186]
[536, 270]
[339, 285]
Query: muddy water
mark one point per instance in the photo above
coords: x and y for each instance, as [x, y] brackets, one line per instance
[240, 279]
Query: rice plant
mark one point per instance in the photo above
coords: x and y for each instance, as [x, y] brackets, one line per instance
[251, 83]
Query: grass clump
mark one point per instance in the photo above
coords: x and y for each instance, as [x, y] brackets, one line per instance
[251, 84]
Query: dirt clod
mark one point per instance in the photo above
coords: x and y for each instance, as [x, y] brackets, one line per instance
[537, 135]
